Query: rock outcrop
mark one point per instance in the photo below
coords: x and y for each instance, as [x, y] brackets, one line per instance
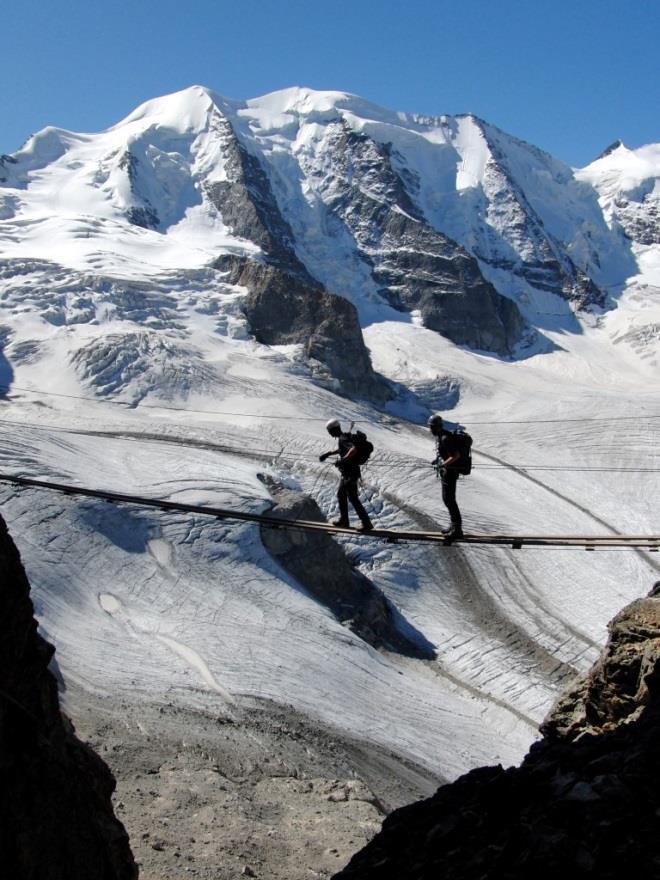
[616, 691]
[526, 247]
[319, 565]
[584, 803]
[640, 218]
[282, 309]
[56, 818]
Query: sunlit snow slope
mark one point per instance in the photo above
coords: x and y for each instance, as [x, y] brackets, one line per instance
[128, 362]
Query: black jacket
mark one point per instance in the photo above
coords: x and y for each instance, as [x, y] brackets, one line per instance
[348, 469]
[447, 446]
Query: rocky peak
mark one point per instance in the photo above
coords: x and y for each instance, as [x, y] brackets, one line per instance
[245, 201]
[612, 147]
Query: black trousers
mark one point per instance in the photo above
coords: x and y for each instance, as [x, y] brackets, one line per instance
[348, 491]
[449, 480]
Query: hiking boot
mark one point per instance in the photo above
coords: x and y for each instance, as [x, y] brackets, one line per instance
[453, 532]
[341, 523]
[365, 526]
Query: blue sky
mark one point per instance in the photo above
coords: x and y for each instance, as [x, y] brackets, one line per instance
[570, 77]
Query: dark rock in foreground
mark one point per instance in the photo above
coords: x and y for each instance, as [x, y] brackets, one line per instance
[56, 818]
[584, 803]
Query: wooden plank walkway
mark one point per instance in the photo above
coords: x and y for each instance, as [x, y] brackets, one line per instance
[517, 542]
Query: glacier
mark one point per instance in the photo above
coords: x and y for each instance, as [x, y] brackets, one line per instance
[128, 363]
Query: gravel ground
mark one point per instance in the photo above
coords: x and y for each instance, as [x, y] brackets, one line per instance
[264, 793]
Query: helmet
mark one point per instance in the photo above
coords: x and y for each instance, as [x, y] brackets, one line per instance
[333, 425]
[435, 421]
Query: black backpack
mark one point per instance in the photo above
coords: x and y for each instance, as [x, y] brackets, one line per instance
[463, 443]
[363, 447]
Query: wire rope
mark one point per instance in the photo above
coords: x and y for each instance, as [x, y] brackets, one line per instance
[246, 450]
[300, 418]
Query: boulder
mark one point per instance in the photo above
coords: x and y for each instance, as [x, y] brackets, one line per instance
[319, 564]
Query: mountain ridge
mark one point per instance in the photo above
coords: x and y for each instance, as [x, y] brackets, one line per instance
[263, 123]
[447, 223]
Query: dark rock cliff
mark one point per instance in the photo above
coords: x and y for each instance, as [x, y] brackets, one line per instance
[282, 309]
[56, 818]
[584, 803]
[248, 207]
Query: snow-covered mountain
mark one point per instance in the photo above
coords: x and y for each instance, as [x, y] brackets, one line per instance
[480, 235]
[186, 298]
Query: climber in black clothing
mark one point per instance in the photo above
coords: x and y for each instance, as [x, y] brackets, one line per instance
[447, 457]
[348, 482]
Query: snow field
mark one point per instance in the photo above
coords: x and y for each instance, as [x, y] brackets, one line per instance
[201, 610]
[167, 608]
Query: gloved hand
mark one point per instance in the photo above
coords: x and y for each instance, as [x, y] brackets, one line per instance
[323, 456]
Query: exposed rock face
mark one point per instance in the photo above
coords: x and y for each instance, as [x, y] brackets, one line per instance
[473, 315]
[144, 215]
[247, 205]
[5, 161]
[583, 803]
[535, 254]
[640, 219]
[616, 691]
[319, 564]
[56, 819]
[281, 309]
[415, 266]
[612, 147]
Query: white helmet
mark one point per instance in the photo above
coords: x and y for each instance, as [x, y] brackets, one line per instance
[332, 425]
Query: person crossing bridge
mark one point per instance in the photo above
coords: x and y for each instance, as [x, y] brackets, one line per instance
[351, 450]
